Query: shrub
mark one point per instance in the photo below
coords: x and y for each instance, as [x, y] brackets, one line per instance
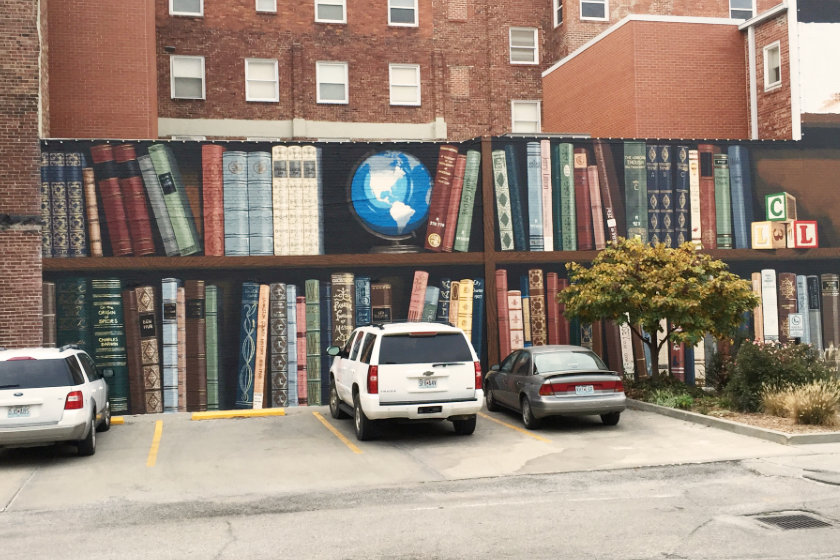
[671, 398]
[759, 366]
[776, 402]
[815, 403]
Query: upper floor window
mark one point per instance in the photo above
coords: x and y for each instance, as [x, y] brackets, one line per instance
[405, 84]
[330, 11]
[525, 116]
[186, 77]
[595, 9]
[266, 5]
[402, 12]
[558, 12]
[332, 82]
[741, 9]
[772, 66]
[523, 46]
[186, 7]
[261, 83]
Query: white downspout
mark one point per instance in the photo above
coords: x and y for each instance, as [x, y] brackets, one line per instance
[793, 64]
[753, 86]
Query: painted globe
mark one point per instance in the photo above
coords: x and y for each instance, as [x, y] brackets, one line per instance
[390, 193]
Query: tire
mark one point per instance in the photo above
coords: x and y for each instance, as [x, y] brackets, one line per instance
[364, 427]
[87, 446]
[464, 427]
[105, 425]
[531, 422]
[490, 401]
[610, 419]
[335, 409]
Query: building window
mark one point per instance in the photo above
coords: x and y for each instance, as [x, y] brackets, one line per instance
[558, 12]
[741, 9]
[186, 7]
[330, 11]
[772, 66]
[595, 9]
[525, 116]
[402, 12]
[261, 82]
[405, 84]
[186, 75]
[523, 46]
[267, 5]
[332, 82]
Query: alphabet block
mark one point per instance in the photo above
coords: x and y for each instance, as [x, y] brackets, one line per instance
[769, 235]
[802, 235]
[781, 207]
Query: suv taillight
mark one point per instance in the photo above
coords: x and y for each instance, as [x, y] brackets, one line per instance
[478, 375]
[74, 401]
[373, 380]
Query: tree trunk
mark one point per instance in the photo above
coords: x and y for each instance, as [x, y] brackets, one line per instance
[654, 357]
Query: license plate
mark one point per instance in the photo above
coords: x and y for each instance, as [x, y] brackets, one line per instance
[584, 390]
[425, 383]
[18, 411]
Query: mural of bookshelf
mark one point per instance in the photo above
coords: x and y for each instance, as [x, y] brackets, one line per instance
[235, 262]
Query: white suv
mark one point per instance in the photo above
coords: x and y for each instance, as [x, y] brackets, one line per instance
[50, 395]
[412, 371]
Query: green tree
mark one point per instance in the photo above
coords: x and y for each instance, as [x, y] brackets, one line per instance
[635, 283]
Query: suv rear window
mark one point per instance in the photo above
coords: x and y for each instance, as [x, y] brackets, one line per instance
[30, 374]
[412, 349]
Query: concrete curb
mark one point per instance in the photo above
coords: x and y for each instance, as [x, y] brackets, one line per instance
[735, 427]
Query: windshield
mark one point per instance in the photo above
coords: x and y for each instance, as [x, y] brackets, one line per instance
[29, 374]
[436, 347]
[567, 361]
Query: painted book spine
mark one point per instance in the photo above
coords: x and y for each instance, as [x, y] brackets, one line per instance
[149, 351]
[514, 192]
[362, 300]
[260, 208]
[802, 307]
[436, 225]
[73, 308]
[830, 305]
[292, 346]
[552, 310]
[654, 196]
[769, 304]
[343, 299]
[696, 222]
[556, 170]
[815, 311]
[58, 205]
[599, 234]
[92, 212]
[454, 301]
[175, 198]
[536, 291]
[48, 312]
[536, 241]
[610, 197]
[635, 190]
[786, 302]
[583, 204]
[279, 345]
[443, 300]
[237, 225]
[212, 190]
[740, 184]
[682, 196]
[116, 221]
[430, 303]
[326, 337]
[516, 320]
[665, 179]
[195, 293]
[134, 200]
[708, 213]
[132, 352]
[465, 210]
[161, 213]
[526, 309]
[454, 200]
[295, 201]
[568, 192]
[46, 207]
[564, 335]
[381, 306]
[109, 340]
[247, 345]
[76, 230]
[548, 222]
[212, 319]
[723, 201]
[502, 313]
[169, 322]
[260, 366]
[503, 209]
[312, 291]
[418, 294]
[466, 287]
[313, 224]
[478, 317]
[758, 312]
[300, 331]
[280, 199]
[181, 321]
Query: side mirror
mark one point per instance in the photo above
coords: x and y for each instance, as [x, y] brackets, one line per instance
[494, 367]
[333, 350]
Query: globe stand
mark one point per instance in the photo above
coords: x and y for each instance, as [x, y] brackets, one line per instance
[396, 247]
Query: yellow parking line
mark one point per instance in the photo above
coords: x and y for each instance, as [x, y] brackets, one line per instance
[337, 434]
[517, 428]
[153, 451]
[245, 413]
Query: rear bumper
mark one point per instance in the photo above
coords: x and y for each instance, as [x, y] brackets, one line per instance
[68, 429]
[579, 406]
[420, 410]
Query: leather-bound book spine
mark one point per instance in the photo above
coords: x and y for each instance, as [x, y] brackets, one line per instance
[802, 307]
[181, 322]
[154, 191]
[564, 334]
[312, 291]
[132, 350]
[300, 331]
[676, 357]
[598, 232]
[73, 313]
[552, 310]
[247, 345]
[635, 190]
[313, 205]
[502, 313]
[46, 207]
[418, 295]
[212, 191]
[169, 336]
[467, 204]
[261, 343]
[452, 206]
[291, 347]
[466, 287]
[478, 317]
[381, 302]
[536, 290]
[830, 303]
[237, 227]
[708, 211]
[758, 312]
[682, 197]
[343, 300]
[514, 190]
[92, 212]
[516, 320]
[147, 325]
[134, 200]
[109, 340]
[548, 217]
[436, 225]
[568, 194]
[430, 303]
[815, 311]
[260, 208]
[787, 303]
[280, 199]
[326, 336]
[454, 301]
[504, 220]
[665, 180]
[213, 322]
[362, 301]
[583, 204]
[740, 186]
[770, 304]
[196, 299]
[723, 201]
[533, 158]
[443, 300]
[610, 194]
[656, 233]
[74, 162]
[107, 179]
[278, 344]
[175, 198]
[58, 205]
[612, 347]
[48, 306]
[696, 222]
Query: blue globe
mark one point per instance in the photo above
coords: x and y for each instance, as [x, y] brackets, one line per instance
[390, 193]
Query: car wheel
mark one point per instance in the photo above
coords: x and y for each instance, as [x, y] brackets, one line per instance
[105, 425]
[335, 409]
[490, 401]
[610, 419]
[464, 427]
[531, 422]
[364, 426]
[87, 446]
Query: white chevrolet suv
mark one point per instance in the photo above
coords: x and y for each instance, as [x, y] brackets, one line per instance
[410, 371]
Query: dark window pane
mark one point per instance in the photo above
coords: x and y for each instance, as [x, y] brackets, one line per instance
[592, 10]
[402, 15]
[28, 374]
[406, 349]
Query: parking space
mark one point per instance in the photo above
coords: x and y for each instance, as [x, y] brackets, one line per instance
[162, 458]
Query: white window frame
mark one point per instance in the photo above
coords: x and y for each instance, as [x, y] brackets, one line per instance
[399, 24]
[606, 4]
[525, 102]
[416, 84]
[248, 80]
[342, 3]
[174, 12]
[536, 46]
[777, 47]
[172, 60]
[557, 12]
[731, 9]
[318, 69]
[268, 6]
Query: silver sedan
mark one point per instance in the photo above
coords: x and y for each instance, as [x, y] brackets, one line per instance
[556, 380]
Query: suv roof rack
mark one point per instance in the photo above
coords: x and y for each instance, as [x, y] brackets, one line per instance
[69, 347]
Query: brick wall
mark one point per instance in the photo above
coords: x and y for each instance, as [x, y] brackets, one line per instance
[773, 105]
[20, 244]
[102, 78]
[653, 79]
